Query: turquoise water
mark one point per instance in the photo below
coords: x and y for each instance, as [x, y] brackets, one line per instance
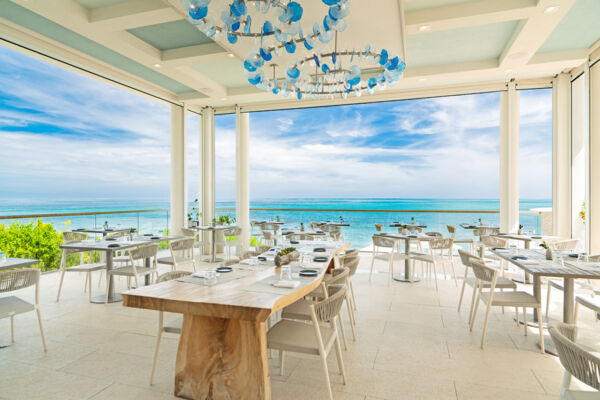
[359, 233]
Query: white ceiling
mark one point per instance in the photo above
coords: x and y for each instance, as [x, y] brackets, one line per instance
[148, 43]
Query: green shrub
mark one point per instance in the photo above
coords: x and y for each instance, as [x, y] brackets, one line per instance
[33, 240]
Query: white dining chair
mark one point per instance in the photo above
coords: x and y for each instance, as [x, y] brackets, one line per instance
[171, 327]
[10, 306]
[490, 298]
[85, 267]
[137, 256]
[312, 339]
[577, 362]
[469, 279]
[229, 242]
[439, 254]
[452, 231]
[182, 254]
[385, 249]
[198, 243]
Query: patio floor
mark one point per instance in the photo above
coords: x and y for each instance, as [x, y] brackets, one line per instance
[412, 343]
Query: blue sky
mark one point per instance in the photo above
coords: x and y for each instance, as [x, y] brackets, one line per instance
[68, 135]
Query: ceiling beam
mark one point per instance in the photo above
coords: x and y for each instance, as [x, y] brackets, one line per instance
[468, 14]
[530, 34]
[402, 18]
[133, 14]
[196, 54]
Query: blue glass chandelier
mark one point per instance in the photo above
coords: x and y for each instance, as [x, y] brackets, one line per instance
[313, 74]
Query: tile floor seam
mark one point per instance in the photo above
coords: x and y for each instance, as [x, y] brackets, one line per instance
[455, 390]
[539, 382]
[100, 391]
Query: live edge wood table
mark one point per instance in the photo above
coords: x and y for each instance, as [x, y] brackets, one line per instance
[222, 351]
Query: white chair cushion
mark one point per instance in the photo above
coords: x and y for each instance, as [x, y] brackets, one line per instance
[581, 395]
[299, 310]
[588, 302]
[297, 337]
[508, 299]
[14, 305]
[165, 260]
[501, 283]
[128, 271]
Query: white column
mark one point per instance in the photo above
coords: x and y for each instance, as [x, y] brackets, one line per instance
[509, 159]
[561, 156]
[207, 164]
[178, 169]
[593, 209]
[242, 183]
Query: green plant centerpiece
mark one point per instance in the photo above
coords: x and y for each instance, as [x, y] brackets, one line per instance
[194, 214]
[286, 256]
[548, 250]
[520, 231]
[480, 221]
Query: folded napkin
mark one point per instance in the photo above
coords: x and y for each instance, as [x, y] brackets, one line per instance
[201, 274]
[286, 284]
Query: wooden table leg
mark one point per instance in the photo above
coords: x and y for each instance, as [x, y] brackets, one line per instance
[568, 300]
[222, 358]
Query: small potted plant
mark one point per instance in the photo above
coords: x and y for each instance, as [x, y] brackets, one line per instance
[412, 220]
[277, 218]
[548, 250]
[301, 226]
[286, 256]
[131, 233]
[520, 231]
[194, 214]
[480, 221]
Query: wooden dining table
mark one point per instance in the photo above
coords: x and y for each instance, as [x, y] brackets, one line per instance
[222, 351]
[397, 237]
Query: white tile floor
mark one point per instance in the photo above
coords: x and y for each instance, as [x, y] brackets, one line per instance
[412, 344]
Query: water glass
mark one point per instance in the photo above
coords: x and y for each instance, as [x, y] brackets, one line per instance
[513, 250]
[2, 256]
[286, 273]
[210, 275]
[558, 261]
[583, 257]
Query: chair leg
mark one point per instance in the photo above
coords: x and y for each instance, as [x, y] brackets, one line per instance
[566, 384]
[352, 294]
[85, 283]
[158, 337]
[39, 315]
[372, 263]
[473, 299]
[576, 312]
[435, 276]
[281, 361]
[453, 271]
[326, 370]
[475, 310]
[485, 322]
[462, 292]
[548, 299]
[60, 283]
[352, 321]
[391, 268]
[525, 320]
[541, 329]
[137, 283]
[340, 360]
[343, 331]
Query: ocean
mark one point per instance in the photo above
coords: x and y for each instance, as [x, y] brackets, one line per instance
[358, 233]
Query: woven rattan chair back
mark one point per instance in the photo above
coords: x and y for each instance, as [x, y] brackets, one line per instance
[182, 244]
[116, 235]
[379, 227]
[566, 245]
[577, 361]
[169, 276]
[74, 236]
[466, 257]
[18, 279]
[143, 252]
[493, 241]
[485, 231]
[329, 308]
[189, 232]
[451, 230]
[483, 272]
[441, 244]
[352, 264]
[379, 241]
[340, 275]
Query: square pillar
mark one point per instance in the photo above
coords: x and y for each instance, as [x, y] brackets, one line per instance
[509, 159]
[561, 156]
[593, 209]
[206, 143]
[178, 169]
[242, 183]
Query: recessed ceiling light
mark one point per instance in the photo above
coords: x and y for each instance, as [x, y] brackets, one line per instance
[422, 79]
[156, 65]
[424, 28]
[550, 10]
[508, 70]
[223, 98]
[230, 55]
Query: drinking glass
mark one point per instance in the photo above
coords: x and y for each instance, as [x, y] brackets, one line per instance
[2, 256]
[583, 257]
[211, 276]
[513, 249]
[286, 273]
[558, 261]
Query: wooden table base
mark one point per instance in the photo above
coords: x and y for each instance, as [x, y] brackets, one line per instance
[222, 358]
